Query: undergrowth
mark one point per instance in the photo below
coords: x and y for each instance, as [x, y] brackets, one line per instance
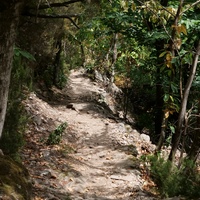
[172, 181]
[16, 118]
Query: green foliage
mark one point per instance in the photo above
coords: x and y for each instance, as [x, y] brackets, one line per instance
[49, 42]
[74, 52]
[56, 136]
[62, 80]
[144, 59]
[19, 53]
[145, 120]
[47, 75]
[16, 117]
[62, 73]
[172, 181]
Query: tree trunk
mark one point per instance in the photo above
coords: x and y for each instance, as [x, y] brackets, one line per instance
[177, 136]
[9, 17]
[82, 54]
[159, 106]
[57, 63]
[162, 134]
[114, 58]
[159, 114]
[173, 48]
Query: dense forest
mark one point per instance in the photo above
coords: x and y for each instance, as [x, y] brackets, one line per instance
[149, 49]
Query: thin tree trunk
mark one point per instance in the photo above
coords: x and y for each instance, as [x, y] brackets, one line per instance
[183, 141]
[9, 17]
[173, 48]
[115, 38]
[57, 63]
[162, 134]
[107, 62]
[159, 108]
[82, 54]
[159, 93]
[177, 136]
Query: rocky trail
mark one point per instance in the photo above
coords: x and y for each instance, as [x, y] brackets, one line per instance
[97, 156]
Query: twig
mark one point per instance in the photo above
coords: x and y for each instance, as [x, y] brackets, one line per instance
[195, 3]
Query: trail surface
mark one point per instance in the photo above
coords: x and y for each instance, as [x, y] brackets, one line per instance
[96, 159]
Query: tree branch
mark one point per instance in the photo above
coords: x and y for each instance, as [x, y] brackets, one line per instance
[195, 3]
[177, 136]
[73, 22]
[168, 11]
[53, 5]
[52, 16]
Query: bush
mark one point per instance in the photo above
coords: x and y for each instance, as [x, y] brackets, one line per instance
[16, 118]
[50, 78]
[56, 136]
[172, 181]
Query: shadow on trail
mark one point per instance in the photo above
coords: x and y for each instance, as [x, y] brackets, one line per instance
[55, 194]
[106, 192]
[60, 161]
[46, 164]
[108, 141]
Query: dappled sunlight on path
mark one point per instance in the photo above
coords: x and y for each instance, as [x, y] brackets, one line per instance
[96, 159]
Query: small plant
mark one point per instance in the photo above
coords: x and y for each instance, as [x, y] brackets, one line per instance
[56, 135]
[172, 181]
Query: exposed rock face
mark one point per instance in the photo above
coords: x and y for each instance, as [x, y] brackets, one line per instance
[14, 180]
[145, 137]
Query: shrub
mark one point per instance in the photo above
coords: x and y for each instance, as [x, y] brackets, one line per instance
[16, 117]
[56, 136]
[172, 181]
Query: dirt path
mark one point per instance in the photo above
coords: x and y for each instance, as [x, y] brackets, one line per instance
[96, 159]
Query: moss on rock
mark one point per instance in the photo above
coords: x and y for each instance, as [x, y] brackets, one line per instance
[14, 180]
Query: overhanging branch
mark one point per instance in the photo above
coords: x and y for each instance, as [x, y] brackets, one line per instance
[54, 5]
[192, 5]
[52, 16]
[73, 22]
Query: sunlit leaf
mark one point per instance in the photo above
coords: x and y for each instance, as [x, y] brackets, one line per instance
[124, 5]
[154, 19]
[171, 112]
[166, 97]
[172, 128]
[168, 57]
[166, 114]
[169, 64]
[178, 43]
[171, 97]
[162, 54]
[182, 29]
[133, 7]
